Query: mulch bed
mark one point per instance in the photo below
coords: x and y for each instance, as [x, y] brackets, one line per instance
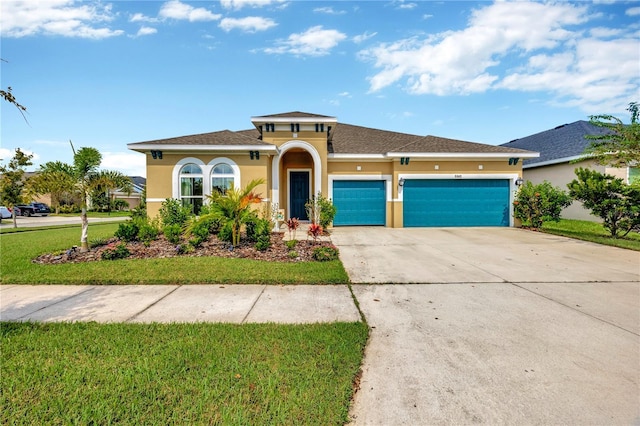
[161, 248]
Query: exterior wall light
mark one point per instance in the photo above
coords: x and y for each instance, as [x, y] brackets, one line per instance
[519, 181]
[401, 182]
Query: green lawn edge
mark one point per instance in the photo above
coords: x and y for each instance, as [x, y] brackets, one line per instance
[18, 249]
[90, 373]
[591, 231]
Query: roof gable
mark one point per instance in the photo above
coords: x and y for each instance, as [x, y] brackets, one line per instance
[563, 142]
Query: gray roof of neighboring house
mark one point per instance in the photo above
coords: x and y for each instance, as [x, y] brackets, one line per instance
[563, 142]
[345, 139]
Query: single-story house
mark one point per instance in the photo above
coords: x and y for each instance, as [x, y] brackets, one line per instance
[372, 176]
[135, 196]
[559, 148]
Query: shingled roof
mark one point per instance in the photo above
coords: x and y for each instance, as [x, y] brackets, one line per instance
[343, 139]
[561, 144]
[350, 139]
[223, 137]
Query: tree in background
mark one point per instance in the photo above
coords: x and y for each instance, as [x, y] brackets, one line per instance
[54, 178]
[12, 182]
[609, 198]
[620, 147]
[535, 204]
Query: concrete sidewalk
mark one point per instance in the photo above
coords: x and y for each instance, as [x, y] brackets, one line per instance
[178, 303]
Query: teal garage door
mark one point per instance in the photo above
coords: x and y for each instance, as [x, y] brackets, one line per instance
[456, 202]
[359, 202]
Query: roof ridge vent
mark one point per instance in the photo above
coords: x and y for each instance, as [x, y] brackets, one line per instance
[559, 127]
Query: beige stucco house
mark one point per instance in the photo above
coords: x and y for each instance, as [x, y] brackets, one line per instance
[373, 177]
[561, 152]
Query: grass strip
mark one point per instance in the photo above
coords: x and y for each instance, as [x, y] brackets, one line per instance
[89, 373]
[18, 249]
[591, 231]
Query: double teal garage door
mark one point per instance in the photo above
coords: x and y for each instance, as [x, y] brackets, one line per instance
[426, 202]
[456, 202]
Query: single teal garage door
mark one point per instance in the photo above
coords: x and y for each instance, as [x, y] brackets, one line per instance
[359, 202]
[456, 202]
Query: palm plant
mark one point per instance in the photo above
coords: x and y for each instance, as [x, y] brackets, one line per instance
[233, 206]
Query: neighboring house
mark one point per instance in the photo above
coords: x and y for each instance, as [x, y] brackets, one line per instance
[558, 148]
[133, 199]
[373, 177]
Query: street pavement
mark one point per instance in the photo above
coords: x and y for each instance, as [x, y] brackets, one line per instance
[475, 325]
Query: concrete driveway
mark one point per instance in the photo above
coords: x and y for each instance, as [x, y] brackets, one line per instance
[519, 327]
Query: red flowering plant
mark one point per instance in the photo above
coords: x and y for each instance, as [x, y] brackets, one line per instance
[292, 226]
[314, 231]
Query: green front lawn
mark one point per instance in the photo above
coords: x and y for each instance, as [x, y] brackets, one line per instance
[591, 231]
[19, 248]
[88, 373]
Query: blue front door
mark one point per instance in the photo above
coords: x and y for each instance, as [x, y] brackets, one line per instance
[298, 194]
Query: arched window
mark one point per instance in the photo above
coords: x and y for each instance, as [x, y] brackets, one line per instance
[222, 178]
[191, 191]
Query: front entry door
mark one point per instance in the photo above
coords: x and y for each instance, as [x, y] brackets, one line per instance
[298, 194]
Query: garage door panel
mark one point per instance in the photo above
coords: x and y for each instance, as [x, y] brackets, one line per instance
[359, 202]
[452, 202]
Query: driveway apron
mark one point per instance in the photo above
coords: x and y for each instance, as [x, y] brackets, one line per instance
[514, 327]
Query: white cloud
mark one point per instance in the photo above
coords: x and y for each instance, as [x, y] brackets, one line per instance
[363, 37]
[633, 11]
[239, 4]
[128, 163]
[143, 31]
[539, 41]
[408, 6]
[316, 41]
[345, 94]
[56, 17]
[601, 32]
[427, 16]
[250, 24]
[174, 9]
[139, 17]
[329, 11]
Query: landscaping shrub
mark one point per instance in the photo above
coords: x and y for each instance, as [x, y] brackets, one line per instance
[324, 254]
[148, 232]
[292, 254]
[609, 198]
[291, 244]
[535, 204]
[98, 242]
[172, 212]
[120, 251]
[199, 233]
[327, 212]
[259, 231]
[226, 232]
[314, 231]
[172, 233]
[127, 231]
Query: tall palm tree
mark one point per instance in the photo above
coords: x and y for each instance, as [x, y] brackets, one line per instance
[55, 178]
[88, 178]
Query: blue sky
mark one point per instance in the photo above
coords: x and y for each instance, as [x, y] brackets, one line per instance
[104, 74]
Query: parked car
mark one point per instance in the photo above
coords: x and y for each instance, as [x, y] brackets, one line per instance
[5, 213]
[32, 209]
